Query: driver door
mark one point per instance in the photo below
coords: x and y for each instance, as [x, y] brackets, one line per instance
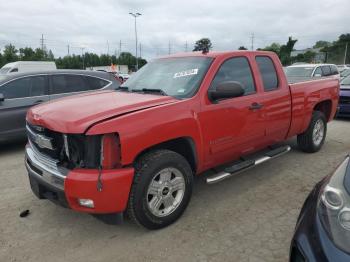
[232, 127]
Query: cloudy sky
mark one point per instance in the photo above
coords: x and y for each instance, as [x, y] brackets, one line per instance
[100, 26]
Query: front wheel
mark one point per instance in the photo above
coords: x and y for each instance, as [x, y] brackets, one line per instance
[161, 190]
[313, 138]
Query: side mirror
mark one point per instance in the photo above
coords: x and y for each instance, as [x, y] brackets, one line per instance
[2, 97]
[225, 90]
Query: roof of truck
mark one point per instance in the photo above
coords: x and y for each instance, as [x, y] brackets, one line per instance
[214, 54]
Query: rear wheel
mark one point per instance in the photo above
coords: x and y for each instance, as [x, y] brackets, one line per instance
[161, 190]
[313, 138]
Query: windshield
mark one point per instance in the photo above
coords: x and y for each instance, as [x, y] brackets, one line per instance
[178, 77]
[345, 81]
[300, 71]
[4, 70]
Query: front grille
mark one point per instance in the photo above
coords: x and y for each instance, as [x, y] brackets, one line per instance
[344, 99]
[56, 138]
[84, 151]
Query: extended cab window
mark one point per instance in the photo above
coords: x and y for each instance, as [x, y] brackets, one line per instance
[267, 72]
[96, 83]
[178, 76]
[64, 83]
[236, 69]
[16, 89]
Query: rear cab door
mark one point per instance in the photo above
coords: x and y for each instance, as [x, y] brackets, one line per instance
[274, 96]
[20, 94]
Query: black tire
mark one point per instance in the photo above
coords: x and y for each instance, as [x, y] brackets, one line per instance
[146, 169]
[305, 140]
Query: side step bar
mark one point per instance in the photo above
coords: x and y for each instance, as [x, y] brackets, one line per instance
[247, 164]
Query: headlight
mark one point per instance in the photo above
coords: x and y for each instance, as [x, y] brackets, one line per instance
[334, 206]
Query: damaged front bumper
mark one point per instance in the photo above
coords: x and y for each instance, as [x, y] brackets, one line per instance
[70, 188]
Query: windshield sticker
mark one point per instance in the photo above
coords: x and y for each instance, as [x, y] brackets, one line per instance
[186, 73]
[181, 91]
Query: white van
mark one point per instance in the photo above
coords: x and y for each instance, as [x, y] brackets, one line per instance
[27, 66]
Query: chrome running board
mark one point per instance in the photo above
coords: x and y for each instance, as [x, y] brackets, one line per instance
[247, 164]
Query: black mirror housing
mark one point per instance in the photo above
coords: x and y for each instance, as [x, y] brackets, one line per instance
[2, 97]
[225, 90]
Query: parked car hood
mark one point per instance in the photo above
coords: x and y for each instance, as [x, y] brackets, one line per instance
[75, 114]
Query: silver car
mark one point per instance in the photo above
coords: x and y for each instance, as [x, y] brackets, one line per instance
[20, 91]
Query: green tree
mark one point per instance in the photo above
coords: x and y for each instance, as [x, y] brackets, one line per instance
[203, 44]
[321, 44]
[242, 48]
[274, 47]
[26, 54]
[10, 54]
[286, 50]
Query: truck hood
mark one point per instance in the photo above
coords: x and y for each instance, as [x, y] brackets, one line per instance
[75, 114]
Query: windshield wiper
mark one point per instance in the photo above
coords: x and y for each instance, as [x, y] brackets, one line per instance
[151, 90]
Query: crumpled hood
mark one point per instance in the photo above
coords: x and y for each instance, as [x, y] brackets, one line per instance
[75, 114]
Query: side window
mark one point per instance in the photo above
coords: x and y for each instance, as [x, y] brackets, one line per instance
[96, 83]
[334, 70]
[16, 88]
[236, 69]
[268, 72]
[68, 84]
[14, 70]
[39, 85]
[318, 71]
[326, 70]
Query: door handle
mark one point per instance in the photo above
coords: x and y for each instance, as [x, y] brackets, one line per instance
[255, 106]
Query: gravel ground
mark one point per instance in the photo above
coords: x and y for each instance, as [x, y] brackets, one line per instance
[249, 217]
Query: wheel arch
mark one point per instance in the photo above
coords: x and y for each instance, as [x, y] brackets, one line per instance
[184, 146]
[325, 107]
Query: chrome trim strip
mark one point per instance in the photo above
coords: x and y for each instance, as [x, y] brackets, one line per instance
[42, 162]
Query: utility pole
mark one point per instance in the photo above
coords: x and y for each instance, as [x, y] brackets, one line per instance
[135, 15]
[346, 52]
[186, 46]
[68, 49]
[169, 48]
[140, 51]
[120, 47]
[42, 42]
[252, 37]
[107, 47]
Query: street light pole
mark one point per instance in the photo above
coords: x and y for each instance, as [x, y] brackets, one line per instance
[135, 15]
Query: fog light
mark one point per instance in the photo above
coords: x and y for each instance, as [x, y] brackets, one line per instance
[86, 202]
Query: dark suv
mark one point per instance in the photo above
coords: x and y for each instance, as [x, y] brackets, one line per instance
[20, 91]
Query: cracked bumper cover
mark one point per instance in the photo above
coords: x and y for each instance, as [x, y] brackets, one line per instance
[64, 187]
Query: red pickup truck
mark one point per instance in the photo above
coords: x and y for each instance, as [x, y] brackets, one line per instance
[137, 149]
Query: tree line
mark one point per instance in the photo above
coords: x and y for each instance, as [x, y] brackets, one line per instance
[11, 54]
[333, 51]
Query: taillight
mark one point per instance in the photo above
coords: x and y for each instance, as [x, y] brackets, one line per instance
[110, 151]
